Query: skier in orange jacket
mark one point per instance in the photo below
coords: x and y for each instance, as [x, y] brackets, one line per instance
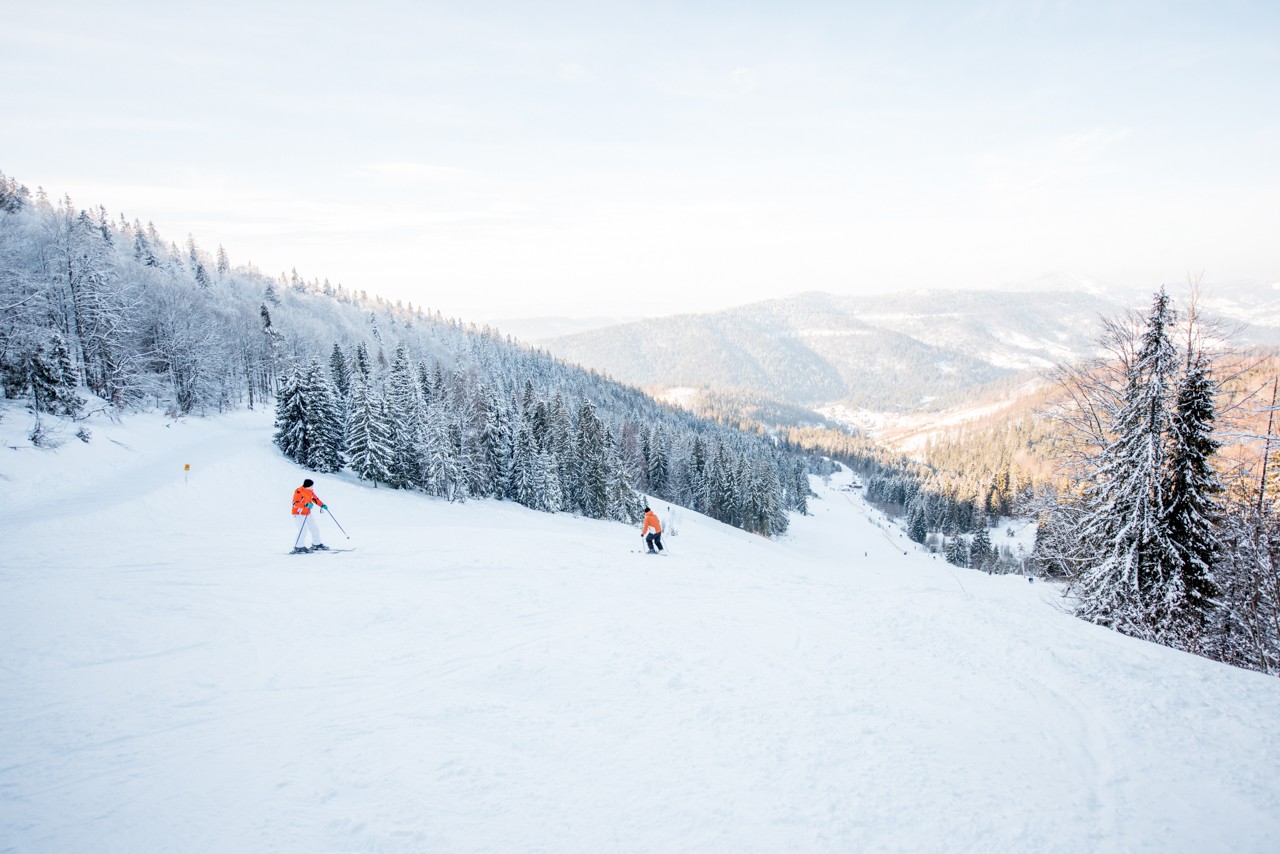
[304, 501]
[654, 539]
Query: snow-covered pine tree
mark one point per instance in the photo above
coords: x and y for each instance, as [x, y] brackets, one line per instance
[496, 443]
[624, 503]
[528, 405]
[722, 487]
[550, 495]
[643, 451]
[443, 473]
[1245, 629]
[291, 435]
[591, 480]
[480, 478]
[361, 362]
[527, 475]
[52, 379]
[753, 510]
[326, 454]
[694, 491]
[798, 489]
[408, 424]
[562, 446]
[1135, 560]
[715, 479]
[307, 429]
[340, 372]
[368, 436]
[464, 431]
[917, 528]
[980, 556]
[766, 514]
[1194, 512]
[659, 463]
[425, 383]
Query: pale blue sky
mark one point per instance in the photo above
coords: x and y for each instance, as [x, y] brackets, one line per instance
[501, 159]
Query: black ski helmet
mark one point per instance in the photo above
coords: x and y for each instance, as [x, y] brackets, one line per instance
[308, 483]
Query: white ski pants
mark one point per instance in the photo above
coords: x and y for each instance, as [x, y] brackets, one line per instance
[308, 524]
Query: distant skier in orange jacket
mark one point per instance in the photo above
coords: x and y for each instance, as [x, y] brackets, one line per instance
[304, 500]
[655, 538]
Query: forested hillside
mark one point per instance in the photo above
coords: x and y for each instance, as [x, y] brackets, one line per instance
[892, 353]
[102, 309]
[887, 353]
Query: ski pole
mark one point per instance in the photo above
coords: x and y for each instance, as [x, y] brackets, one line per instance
[335, 521]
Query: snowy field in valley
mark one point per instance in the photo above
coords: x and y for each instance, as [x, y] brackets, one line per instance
[482, 678]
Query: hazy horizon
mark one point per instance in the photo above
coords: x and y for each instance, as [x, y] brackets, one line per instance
[633, 161]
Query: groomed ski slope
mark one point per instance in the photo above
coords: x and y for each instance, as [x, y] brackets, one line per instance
[482, 678]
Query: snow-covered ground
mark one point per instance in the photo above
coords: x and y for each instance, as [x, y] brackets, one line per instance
[479, 677]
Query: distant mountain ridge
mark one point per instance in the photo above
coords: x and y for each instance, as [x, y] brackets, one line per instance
[889, 353]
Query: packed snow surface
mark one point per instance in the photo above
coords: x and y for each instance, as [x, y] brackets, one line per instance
[482, 678]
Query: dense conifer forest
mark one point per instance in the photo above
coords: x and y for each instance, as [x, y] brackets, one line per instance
[103, 312]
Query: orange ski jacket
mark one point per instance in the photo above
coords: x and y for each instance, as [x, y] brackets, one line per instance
[301, 497]
[651, 521]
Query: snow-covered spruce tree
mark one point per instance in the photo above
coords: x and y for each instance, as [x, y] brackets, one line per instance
[624, 503]
[917, 529]
[591, 481]
[52, 379]
[307, 427]
[550, 497]
[1244, 629]
[496, 443]
[527, 476]
[957, 551]
[562, 446]
[292, 418]
[655, 462]
[754, 502]
[724, 493]
[798, 489]
[409, 444]
[1194, 511]
[715, 478]
[327, 455]
[368, 436]
[443, 472]
[361, 362]
[694, 493]
[339, 370]
[1134, 572]
[464, 431]
[766, 505]
[980, 556]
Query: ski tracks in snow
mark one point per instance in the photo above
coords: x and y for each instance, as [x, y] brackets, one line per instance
[480, 677]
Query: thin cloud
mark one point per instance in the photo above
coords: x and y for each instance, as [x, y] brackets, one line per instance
[122, 124]
[572, 72]
[1047, 162]
[406, 172]
[713, 85]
